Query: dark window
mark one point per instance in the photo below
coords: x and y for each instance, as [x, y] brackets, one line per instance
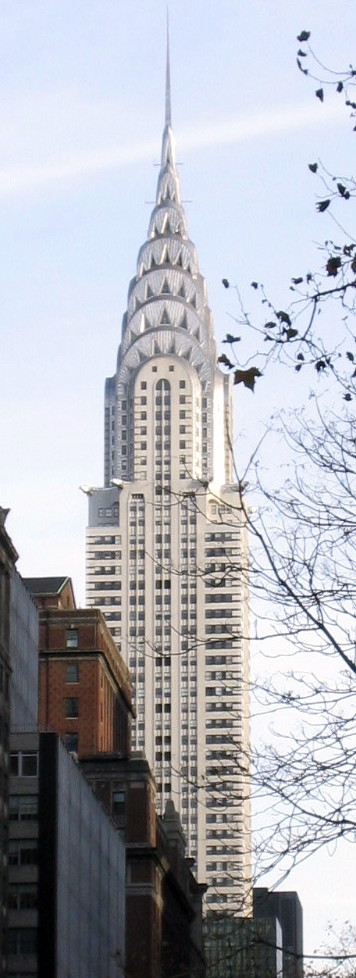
[24, 764]
[72, 672]
[23, 896]
[72, 636]
[118, 804]
[72, 706]
[23, 852]
[71, 742]
[23, 808]
[14, 763]
[22, 940]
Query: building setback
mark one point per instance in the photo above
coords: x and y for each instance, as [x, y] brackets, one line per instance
[166, 548]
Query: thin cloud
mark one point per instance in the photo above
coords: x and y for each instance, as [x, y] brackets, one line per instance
[251, 127]
[17, 179]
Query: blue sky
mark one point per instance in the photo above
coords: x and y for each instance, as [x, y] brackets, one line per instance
[82, 101]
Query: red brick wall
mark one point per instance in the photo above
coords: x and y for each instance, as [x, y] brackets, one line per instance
[102, 723]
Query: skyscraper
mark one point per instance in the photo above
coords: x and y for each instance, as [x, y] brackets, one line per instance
[166, 550]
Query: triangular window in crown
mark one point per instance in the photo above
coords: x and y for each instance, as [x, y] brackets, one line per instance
[184, 322]
[149, 292]
[193, 300]
[164, 257]
[182, 291]
[153, 262]
[147, 323]
[156, 349]
[165, 320]
[179, 260]
[165, 290]
[137, 303]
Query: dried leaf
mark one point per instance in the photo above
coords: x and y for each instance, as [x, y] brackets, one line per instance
[226, 283]
[225, 360]
[303, 36]
[231, 339]
[333, 265]
[313, 167]
[297, 281]
[350, 356]
[300, 356]
[353, 265]
[270, 325]
[320, 365]
[247, 377]
[342, 190]
[347, 397]
[322, 205]
[290, 333]
[320, 94]
[304, 70]
[284, 318]
[254, 285]
[339, 87]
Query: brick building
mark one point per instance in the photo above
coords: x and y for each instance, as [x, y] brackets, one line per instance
[85, 697]
[84, 685]
[65, 895]
[163, 898]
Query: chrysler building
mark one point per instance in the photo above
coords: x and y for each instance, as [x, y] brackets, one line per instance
[166, 549]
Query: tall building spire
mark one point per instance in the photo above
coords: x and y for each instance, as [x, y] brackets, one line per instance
[166, 545]
[168, 113]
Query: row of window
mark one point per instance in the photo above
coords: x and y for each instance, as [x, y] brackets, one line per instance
[22, 896]
[23, 852]
[23, 808]
[104, 540]
[22, 940]
[24, 763]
